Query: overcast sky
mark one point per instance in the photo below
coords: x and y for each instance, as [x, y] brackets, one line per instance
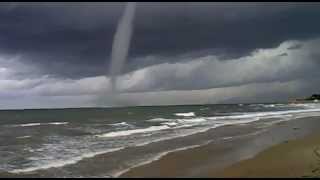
[58, 54]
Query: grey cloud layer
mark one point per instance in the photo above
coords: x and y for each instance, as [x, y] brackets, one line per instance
[262, 66]
[265, 75]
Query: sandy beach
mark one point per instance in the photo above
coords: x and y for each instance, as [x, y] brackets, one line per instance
[296, 158]
[289, 149]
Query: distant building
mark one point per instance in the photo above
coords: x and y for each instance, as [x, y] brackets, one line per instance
[313, 98]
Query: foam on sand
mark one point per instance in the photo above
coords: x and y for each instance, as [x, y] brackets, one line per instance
[157, 157]
[192, 120]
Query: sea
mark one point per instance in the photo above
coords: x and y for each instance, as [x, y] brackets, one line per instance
[106, 142]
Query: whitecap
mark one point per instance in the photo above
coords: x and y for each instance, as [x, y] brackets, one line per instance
[23, 137]
[268, 114]
[39, 124]
[58, 123]
[134, 131]
[270, 105]
[159, 120]
[29, 124]
[120, 124]
[170, 123]
[189, 114]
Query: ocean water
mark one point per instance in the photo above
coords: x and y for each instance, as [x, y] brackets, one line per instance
[71, 142]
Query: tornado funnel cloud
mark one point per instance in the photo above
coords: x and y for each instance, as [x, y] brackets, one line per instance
[121, 43]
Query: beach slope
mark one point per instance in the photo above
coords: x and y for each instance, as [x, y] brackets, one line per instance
[296, 158]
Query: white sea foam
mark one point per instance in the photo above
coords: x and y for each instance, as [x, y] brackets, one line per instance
[120, 124]
[270, 105]
[185, 148]
[23, 137]
[218, 122]
[170, 123]
[242, 121]
[309, 105]
[39, 124]
[68, 161]
[160, 155]
[189, 114]
[235, 118]
[159, 120]
[58, 123]
[241, 118]
[226, 120]
[264, 114]
[238, 118]
[192, 120]
[61, 163]
[29, 124]
[134, 131]
[157, 157]
[179, 135]
[215, 122]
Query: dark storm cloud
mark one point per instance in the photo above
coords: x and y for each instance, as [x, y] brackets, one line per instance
[57, 54]
[74, 40]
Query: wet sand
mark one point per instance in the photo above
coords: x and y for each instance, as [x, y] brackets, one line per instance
[297, 158]
[230, 158]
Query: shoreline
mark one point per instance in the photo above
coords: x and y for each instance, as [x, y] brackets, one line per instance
[296, 158]
[228, 145]
[205, 160]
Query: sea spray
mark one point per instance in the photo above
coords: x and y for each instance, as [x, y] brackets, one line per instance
[121, 42]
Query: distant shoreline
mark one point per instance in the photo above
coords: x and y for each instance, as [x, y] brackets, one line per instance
[143, 106]
[311, 99]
